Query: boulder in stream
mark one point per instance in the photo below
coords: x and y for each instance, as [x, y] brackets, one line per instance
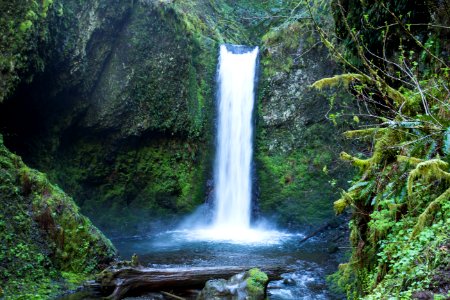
[249, 285]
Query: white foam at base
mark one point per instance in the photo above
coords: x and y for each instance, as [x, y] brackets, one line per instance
[249, 236]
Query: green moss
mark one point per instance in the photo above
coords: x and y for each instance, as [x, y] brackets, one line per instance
[281, 46]
[286, 179]
[297, 185]
[46, 4]
[44, 233]
[429, 170]
[401, 215]
[299, 172]
[73, 280]
[25, 25]
[158, 178]
[256, 283]
[22, 29]
[343, 79]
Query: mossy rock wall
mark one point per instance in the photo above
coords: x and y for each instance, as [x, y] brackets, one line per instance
[121, 111]
[122, 114]
[299, 136]
[135, 153]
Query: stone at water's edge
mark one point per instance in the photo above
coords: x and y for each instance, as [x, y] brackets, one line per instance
[215, 289]
[250, 285]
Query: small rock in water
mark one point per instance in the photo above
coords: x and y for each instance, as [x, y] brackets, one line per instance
[215, 289]
[289, 281]
[248, 285]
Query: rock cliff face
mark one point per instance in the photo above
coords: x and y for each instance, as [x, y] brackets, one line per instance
[121, 116]
[299, 129]
[114, 100]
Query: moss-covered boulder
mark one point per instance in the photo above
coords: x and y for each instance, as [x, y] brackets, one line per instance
[257, 282]
[42, 233]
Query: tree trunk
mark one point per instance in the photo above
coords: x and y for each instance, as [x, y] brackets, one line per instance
[139, 279]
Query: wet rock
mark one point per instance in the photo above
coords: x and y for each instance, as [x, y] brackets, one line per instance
[289, 281]
[248, 285]
[295, 129]
[216, 289]
[316, 287]
[332, 248]
[125, 81]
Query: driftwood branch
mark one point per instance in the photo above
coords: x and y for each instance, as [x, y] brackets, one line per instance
[172, 296]
[120, 282]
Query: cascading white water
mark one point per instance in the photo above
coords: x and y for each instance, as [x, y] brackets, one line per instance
[233, 184]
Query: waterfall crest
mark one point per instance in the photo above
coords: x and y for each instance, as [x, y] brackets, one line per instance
[233, 184]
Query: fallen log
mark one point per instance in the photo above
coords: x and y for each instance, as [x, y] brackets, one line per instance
[119, 282]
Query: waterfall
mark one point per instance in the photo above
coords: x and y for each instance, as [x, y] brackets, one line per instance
[233, 163]
[233, 183]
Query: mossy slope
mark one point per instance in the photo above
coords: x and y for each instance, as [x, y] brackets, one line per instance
[42, 233]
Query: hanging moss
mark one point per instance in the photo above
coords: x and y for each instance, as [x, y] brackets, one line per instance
[343, 79]
[368, 133]
[428, 170]
[346, 79]
[413, 161]
[362, 164]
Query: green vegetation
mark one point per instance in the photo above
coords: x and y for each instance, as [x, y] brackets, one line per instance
[400, 200]
[23, 26]
[298, 140]
[159, 59]
[292, 177]
[117, 106]
[158, 179]
[42, 234]
[256, 283]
